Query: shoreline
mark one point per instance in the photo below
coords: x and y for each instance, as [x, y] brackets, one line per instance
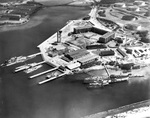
[122, 109]
[13, 26]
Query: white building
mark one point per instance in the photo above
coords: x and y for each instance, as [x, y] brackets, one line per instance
[139, 3]
[120, 5]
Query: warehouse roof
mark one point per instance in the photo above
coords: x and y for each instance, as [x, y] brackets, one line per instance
[96, 46]
[108, 34]
[87, 58]
[76, 52]
[73, 65]
[106, 53]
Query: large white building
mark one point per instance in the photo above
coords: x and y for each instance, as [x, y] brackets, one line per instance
[121, 4]
[139, 3]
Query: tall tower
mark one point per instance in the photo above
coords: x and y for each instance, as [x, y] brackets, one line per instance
[59, 36]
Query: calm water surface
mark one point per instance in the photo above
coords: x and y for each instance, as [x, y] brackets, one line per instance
[64, 97]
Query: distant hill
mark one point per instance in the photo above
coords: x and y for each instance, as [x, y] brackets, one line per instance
[113, 1]
[2, 1]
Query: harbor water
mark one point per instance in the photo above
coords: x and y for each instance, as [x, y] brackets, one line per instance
[65, 97]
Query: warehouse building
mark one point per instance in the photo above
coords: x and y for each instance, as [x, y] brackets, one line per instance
[120, 5]
[147, 14]
[133, 8]
[128, 4]
[121, 52]
[106, 37]
[87, 59]
[76, 54]
[73, 66]
[107, 53]
[127, 66]
[11, 17]
[128, 17]
[98, 31]
[139, 3]
[132, 27]
[91, 47]
[65, 59]
[78, 30]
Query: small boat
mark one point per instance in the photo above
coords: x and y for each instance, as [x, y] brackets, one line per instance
[53, 74]
[116, 80]
[24, 67]
[119, 78]
[95, 85]
[133, 76]
[32, 69]
[4, 64]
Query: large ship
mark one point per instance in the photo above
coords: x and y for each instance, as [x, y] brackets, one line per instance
[111, 77]
[100, 81]
[15, 60]
[32, 69]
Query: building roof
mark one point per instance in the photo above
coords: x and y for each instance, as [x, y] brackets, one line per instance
[126, 66]
[87, 58]
[133, 8]
[76, 52]
[60, 61]
[84, 27]
[96, 46]
[132, 26]
[139, 2]
[121, 52]
[121, 4]
[108, 34]
[73, 65]
[128, 17]
[107, 53]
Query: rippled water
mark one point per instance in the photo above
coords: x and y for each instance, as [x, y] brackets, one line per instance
[66, 97]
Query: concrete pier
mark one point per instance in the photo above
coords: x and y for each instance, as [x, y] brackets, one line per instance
[50, 79]
[42, 62]
[44, 72]
[34, 55]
